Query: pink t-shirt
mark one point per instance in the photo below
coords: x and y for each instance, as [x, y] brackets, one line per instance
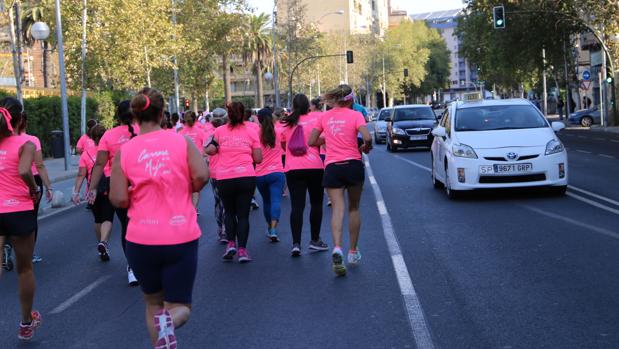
[340, 127]
[15, 195]
[160, 209]
[37, 147]
[111, 141]
[208, 130]
[271, 158]
[84, 143]
[196, 134]
[311, 159]
[235, 151]
[87, 161]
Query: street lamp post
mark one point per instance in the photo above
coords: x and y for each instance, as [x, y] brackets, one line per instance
[275, 70]
[83, 104]
[384, 75]
[175, 62]
[63, 88]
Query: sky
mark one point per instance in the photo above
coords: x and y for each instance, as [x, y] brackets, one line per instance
[412, 6]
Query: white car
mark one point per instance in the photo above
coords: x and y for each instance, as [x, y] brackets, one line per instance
[486, 144]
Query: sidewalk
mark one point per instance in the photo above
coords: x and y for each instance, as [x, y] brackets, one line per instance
[56, 170]
[594, 128]
[62, 182]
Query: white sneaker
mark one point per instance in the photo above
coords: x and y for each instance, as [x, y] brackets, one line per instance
[133, 281]
[354, 257]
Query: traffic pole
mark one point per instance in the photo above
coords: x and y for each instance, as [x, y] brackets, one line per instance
[63, 88]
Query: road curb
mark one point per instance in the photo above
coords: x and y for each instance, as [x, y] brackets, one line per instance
[55, 211]
[63, 177]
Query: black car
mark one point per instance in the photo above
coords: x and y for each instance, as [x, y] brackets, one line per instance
[410, 126]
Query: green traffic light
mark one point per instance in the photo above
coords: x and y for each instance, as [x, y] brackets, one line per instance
[499, 22]
[609, 80]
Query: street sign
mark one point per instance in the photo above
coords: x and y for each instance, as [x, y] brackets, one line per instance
[586, 75]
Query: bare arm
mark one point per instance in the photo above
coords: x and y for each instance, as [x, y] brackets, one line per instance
[313, 139]
[197, 167]
[81, 175]
[367, 139]
[97, 171]
[212, 147]
[40, 165]
[256, 154]
[119, 185]
[25, 166]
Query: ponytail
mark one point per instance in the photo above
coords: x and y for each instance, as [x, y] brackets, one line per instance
[267, 129]
[11, 116]
[124, 116]
[300, 106]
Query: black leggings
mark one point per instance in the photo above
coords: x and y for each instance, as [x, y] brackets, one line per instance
[299, 183]
[236, 194]
[121, 213]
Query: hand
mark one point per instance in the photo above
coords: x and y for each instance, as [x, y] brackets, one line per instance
[75, 198]
[35, 194]
[366, 148]
[49, 194]
[91, 196]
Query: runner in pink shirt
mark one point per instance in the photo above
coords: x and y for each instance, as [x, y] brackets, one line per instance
[345, 171]
[154, 176]
[85, 141]
[109, 144]
[304, 174]
[238, 147]
[17, 218]
[194, 131]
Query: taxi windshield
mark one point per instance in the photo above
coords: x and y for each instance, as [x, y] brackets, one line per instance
[499, 117]
[412, 114]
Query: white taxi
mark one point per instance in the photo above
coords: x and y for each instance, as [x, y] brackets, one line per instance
[486, 144]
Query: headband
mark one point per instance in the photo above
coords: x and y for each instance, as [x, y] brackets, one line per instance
[147, 103]
[7, 117]
[350, 97]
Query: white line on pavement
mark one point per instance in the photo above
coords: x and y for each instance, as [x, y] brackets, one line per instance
[614, 141]
[593, 203]
[603, 198]
[599, 139]
[414, 163]
[81, 294]
[599, 230]
[416, 317]
[606, 156]
[583, 151]
[372, 180]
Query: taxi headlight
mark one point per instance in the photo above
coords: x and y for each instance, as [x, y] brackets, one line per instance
[553, 147]
[464, 151]
[399, 131]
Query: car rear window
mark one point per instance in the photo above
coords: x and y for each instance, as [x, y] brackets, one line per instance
[501, 117]
[383, 115]
[411, 114]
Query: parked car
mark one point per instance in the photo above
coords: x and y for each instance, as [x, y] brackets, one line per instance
[409, 126]
[380, 126]
[585, 117]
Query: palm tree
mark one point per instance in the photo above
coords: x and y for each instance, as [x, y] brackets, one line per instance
[257, 50]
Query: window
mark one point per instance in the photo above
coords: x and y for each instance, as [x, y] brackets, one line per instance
[410, 114]
[383, 115]
[446, 122]
[500, 117]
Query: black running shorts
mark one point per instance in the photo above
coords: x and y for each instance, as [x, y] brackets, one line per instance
[21, 223]
[344, 174]
[103, 209]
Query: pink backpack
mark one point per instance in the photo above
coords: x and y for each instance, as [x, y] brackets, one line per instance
[296, 144]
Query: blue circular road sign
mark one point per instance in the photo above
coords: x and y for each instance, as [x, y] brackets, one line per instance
[586, 75]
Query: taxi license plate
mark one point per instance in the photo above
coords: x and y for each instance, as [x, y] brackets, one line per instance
[507, 169]
[419, 138]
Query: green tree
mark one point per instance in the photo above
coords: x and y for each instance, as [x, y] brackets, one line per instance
[257, 50]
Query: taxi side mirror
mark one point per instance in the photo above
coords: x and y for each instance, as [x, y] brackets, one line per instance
[439, 132]
[557, 126]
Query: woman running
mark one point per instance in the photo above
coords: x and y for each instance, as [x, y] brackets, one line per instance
[17, 197]
[345, 170]
[270, 172]
[163, 170]
[196, 134]
[304, 172]
[85, 141]
[109, 144]
[220, 117]
[102, 209]
[238, 148]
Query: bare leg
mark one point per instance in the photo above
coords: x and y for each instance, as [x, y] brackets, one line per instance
[273, 224]
[180, 313]
[106, 230]
[195, 199]
[98, 231]
[154, 304]
[337, 215]
[354, 218]
[23, 247]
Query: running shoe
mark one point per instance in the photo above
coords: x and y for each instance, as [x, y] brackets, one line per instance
[272, 234]
[354, 257]
[104, 251]
[329, 203]
[244, 256]
[338, 262]
[36, 258]
[223, 240]
[296, 250]
[165, 330]
[133, 281]
[254, 204]
[26, 331]
[318, 246]
[230, 251]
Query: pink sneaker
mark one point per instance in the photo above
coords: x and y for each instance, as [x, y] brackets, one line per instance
[244, 256]
[27, 331]
[230, 251]
[165, 329]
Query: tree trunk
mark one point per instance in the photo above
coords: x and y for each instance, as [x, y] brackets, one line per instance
[226, 71]
[207, 104]
[259, 84]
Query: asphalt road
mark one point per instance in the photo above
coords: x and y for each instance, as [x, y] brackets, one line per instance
[493, 270]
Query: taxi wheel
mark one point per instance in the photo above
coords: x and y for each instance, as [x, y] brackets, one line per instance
[451, 194]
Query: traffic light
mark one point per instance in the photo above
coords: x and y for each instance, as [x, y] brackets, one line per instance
[609, 80]
[349, 57]
[405, 72]
[499, 17]
[187, 103]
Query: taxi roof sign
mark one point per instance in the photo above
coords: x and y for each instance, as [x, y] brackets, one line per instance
[472, 97]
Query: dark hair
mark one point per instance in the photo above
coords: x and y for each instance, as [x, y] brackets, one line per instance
[16, 110]
[90, 124]
[124, 116]
[190, 118]
[317, 103]
[300, 106]
[337, 95]
[247, 115]
[267, 129]
[165, 122]
[236, 113]
[148, 105]
[96, 132]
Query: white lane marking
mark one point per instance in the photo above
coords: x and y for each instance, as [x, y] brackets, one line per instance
[599, 139]
[603, 198]
[614, 141]
[606, 156]
[582, 137]
[599, 230]
[416, 164]
[416, 317]
[583, 151]
[372, 180]
[81, 294]
[593, 203]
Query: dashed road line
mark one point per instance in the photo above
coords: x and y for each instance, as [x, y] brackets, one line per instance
[614, 141]
[599, 230]
[606, 156]
[583, 151]
[416, 317]
[594, 195]
[81, 294]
